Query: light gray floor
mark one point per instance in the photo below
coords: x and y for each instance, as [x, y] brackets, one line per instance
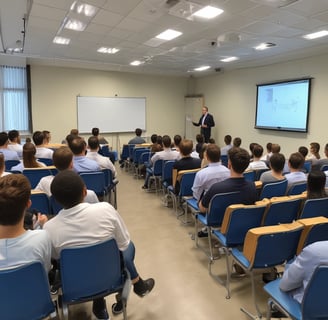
[164, 250]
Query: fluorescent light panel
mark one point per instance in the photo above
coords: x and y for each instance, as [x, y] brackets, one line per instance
[169, 34]
[108, 50]
[83, 8]
[74, 24]
[264, 46]
[229, 59]
[136, 63]
[208, 12]
[316, 35]
[61, 40]
[202, 68]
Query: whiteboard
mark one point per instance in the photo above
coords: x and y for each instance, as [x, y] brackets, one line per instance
[111, 115]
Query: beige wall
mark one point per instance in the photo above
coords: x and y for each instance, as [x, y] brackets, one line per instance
[231, 98]
[54, 92]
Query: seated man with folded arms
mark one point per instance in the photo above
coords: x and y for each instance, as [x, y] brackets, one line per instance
[104, 162]
[63, 159]
[80, 162]
[214, 172]
[17, 245]
[295, 163]
[40, 140]
[84, 224]
[238, 161]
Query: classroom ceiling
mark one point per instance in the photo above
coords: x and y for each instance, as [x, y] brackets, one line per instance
[132, 25]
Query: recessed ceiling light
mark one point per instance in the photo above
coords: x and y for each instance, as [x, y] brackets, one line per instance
[74, 24]
[208, 12]
[136, 63]
[265, 45]
[61, 40]
[202, 68]
[83, 8]
[316, 35]
[108, 50]
[229, 59]
[169, 34]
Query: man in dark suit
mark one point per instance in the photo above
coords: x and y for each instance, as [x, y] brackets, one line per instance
[206, 121]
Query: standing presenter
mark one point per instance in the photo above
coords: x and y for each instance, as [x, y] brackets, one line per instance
[206, 122]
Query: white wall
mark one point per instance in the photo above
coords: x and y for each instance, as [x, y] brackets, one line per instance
[231, 98]
[54, 92]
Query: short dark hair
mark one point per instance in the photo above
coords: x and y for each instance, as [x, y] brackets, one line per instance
[15, 191]
[239, 159]
[3, 138]
[185, 147]
[275, 148]
[13, 134]
[62, 158]
[38, 138]
[93, 143]
[303, 151]
[236, 142]
[67, 188]
[316, 182]
[199, 138]
[167, 141]
[277, 162]
[296, 160]
[213, 152]
[77, 145]
[138, 132]
[177, 139]
[95, 131]
[227, 139]
[153, 138]
[257, 151]
[269, 146]
[315, 146]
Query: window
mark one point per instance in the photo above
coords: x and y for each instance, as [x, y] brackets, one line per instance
[14, 106]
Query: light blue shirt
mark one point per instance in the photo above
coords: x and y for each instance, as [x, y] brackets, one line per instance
[9, 154]
[206, 177]
[82, 164]
[298, 274]
[295, 177]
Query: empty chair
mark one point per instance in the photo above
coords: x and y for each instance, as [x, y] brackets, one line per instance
[104, 150]
[315, 208]
[297, 188]
[137, 152]
[314, 303]
[274, 189]
[155, 174]
[101, 274]
[34, 175]
[110, 185]
[25, 293]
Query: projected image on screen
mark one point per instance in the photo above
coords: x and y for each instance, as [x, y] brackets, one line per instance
[283, 105]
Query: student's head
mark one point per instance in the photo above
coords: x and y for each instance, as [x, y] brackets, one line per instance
[95, 132]
[185, 147]
[38, 138]
[211, 140]
[239, 159]
[303, 151]
[316, 182]
[167, 141]
[277, 162]
[29, 152]
[236, 142]
[15, 191]
[93, 143]
[269, 147]
[213, 153]
[138, 132]
[3, 139]
[47, 136]
[70, 138]
[74, 132]
[251, 147]
[275, 148]
[78, 146]
[227, 139]
[314, 147]
[68, 188]
[14, 136]
[153, 138]
[62, 158]
[199, 138]
[177, 139]
[296, 161]
[257, 151]
[159, 140]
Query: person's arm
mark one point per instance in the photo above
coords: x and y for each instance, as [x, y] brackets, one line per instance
[211, 122]
[196, 188]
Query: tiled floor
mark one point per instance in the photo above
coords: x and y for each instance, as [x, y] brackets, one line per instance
[164, 250]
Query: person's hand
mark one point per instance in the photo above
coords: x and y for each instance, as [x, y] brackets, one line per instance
[204, 125]
[42, 219]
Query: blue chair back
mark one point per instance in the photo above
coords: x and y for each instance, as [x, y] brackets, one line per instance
[186, 183]
[224, 160]
[104, 150]
[46, 161]
[315, 208]
[137, 152]
[259, 172]
[324, 167]
[314, 304]
[297, 188]
[98, 275]
[274, 189]
[167, 173]
[55, 207]
[318, 232]
[131, 149]
[218, 205]
[145, 157]
[125, 152]
[25, 293]
[35, 175]
[40, 202]
[285, 211]
[249, 175]
[94, 181]
[158, 167]
[307, 166]
[10, 163]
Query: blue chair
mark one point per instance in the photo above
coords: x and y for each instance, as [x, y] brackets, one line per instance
[259, 172]
[297, 188]
[274, 189]
[35, 175]
[307, 166]
[249, 175]
[167, 179]
[214, 217]
[95, 181]
[104, 150]
[11, 163]
[224, 160]
[324, 167]
[55, 207]
[25, 293]
[110, 185]
[238, 219]
[40, 202]
[46, 161]
[90, 272]
[314, 303]
[315, 208]
[136, 160]
[266, 247]
[124, 155]
[155, 174]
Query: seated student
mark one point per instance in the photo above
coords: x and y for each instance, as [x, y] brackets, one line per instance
[15, 142]
[47, 137]
[63, 159]
[104, 162]
[303, 151]
[8, 154]
[268, 154]
[298, 273]
[276, 163]
[314, 151]
[73, 133]
[228, 145]
[137, 139]
[29, 160]
[158, 145]
[214, 172]
[153, 140]
[76, 229]
[17, 245]
[3, 166]
[257, 163]
[95, 133]
[200, 143]
[316, 182]
[236, 142]
[238, 161]
[295, 164]
[39, 140]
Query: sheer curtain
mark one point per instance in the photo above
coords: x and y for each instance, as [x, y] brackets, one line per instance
[14, 109]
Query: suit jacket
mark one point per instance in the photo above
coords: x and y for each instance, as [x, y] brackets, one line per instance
[209, 121]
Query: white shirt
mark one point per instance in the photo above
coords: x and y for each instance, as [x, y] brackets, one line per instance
[16, 147]
[294, 177]
[257, 165]
[166, 154]
[42, 152]
[104, 162]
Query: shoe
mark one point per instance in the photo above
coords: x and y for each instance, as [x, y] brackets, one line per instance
[117, 307]
[270, 276]
[99, 309]
[144, 187]
[143, 287]
[202, 234]
[239, 272]
[275, 313]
